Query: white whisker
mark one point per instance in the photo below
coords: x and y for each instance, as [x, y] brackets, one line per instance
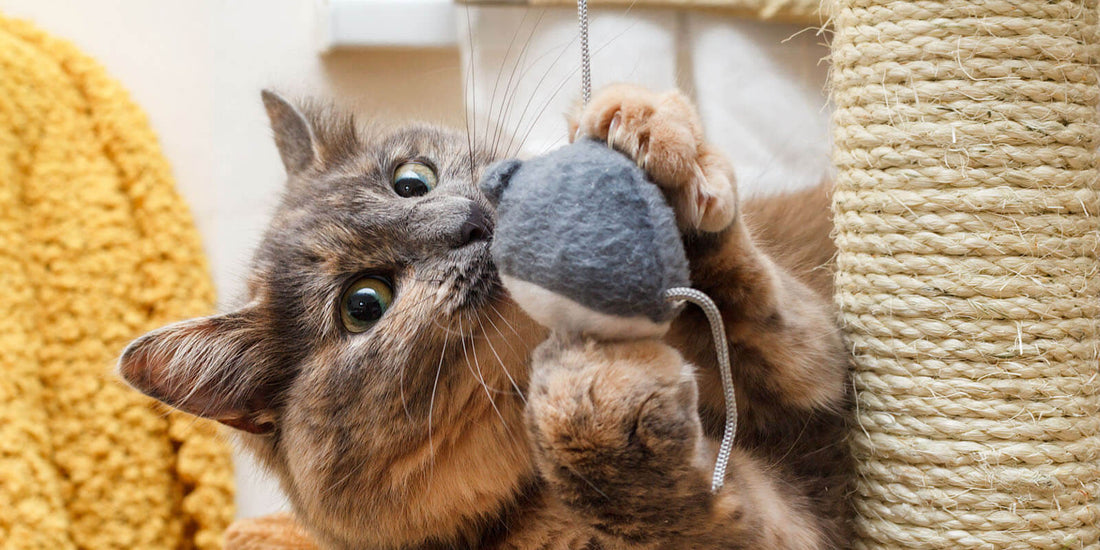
[500, 72]
[504, 367]
[509, 91]
[531, 98]
[431, 410]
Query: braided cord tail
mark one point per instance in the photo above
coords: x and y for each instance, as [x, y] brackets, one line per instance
[721, 347]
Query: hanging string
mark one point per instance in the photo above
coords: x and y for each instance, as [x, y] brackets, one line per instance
[714, 316]
[721, 347]
[586, 62]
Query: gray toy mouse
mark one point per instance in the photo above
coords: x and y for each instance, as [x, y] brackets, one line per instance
[585, 243]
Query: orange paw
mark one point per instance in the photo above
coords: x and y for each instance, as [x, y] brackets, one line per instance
[662, 133]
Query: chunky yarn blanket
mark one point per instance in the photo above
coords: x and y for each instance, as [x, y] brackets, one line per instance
[95, 248]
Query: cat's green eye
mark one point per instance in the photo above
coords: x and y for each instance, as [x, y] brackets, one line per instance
[413, 179]
[364, 303]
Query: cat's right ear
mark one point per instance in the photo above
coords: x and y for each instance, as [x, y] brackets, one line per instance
[211, 367]
[497, 177]
[293, 135]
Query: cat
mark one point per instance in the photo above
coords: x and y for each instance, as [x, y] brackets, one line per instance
[381, 372]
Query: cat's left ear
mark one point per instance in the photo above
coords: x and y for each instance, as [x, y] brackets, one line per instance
[294, 137]
[214, 367]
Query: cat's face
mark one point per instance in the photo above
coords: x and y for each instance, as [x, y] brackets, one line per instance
[378, 356]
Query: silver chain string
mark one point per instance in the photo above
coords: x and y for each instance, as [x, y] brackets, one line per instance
[718, 332]
[714, 316]
[586, 62]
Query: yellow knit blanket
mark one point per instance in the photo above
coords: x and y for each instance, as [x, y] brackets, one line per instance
[96, 247]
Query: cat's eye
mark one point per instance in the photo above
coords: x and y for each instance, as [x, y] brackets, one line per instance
[413, 179]
[364, 303]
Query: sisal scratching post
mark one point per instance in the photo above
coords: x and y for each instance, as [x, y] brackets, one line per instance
[967, 218]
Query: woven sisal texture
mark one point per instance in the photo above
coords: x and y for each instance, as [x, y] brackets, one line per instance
[967, 218]
[95, 248]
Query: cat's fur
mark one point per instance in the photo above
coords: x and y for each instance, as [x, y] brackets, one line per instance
[448, 425]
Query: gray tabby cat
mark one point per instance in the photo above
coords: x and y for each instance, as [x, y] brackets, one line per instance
[382, 373]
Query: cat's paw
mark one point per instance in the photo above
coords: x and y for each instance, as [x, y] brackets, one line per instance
[595, 407]
[615, 428]
[662, 133]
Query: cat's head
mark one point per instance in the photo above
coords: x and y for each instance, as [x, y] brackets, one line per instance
[377, 367]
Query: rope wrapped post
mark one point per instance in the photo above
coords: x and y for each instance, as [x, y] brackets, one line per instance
[967, 221]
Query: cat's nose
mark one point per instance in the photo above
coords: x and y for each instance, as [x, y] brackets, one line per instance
[478, 226]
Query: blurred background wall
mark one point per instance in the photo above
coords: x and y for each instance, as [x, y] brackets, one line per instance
[197, 67]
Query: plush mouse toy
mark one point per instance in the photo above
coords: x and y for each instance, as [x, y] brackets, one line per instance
[585, 244]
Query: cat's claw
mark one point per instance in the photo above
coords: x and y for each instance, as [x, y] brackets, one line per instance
[637, 147]
[663, 135]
